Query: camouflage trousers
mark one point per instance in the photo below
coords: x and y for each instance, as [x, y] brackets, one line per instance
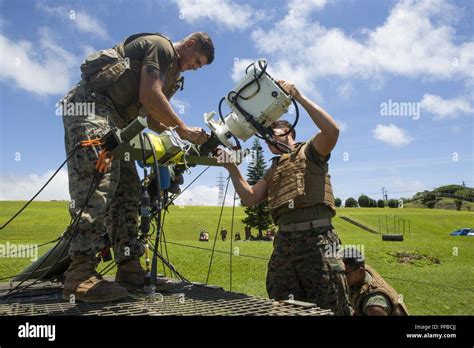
[112, 209]
[300, 268]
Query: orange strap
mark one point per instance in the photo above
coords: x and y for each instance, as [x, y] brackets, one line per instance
[104, 160]
[92, 142]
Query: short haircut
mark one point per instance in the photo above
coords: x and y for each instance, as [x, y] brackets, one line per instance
[352, 258]
[204, 44]
[280, 124]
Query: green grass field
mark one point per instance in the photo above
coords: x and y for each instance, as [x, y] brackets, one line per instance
[428, 288]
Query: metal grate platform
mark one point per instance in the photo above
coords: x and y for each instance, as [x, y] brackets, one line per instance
[184, 299]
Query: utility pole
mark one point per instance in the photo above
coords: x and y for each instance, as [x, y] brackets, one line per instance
[384, 194]
[220, 185]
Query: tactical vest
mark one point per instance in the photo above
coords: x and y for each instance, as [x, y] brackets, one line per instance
[378, 285]
[110, 72]
[296, 182]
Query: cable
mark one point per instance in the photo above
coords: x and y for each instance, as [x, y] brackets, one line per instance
[217, 230]
[267, 259]
[36, 246]
[431, 284]
[69, 155]
[170, 266]
[157, 215]
[164, 237]
[110, 266]
[179, 194]
[18, 287]
[218, 251]
[263, 133]
[231, 240]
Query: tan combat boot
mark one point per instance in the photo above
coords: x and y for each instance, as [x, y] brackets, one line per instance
[131, 275]
[85, 284]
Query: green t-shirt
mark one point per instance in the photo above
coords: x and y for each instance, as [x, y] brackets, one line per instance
[153, 50]
[377, 299]
[318, 211]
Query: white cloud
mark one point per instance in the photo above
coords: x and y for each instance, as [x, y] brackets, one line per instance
[80, 19]
[42, 67]
[14, 187]
[304, 7]
[278, 69]
[446, 108]
[391, 135]
[204, 195]
[345, 90]
[182, 107]
[405, 185]
[87, 50]
[238, 69]
[415, 41]
[88, 24]
[230, 15]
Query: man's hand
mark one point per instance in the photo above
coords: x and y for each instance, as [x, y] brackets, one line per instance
[250, 195]
[324, 141]
[196, 135]
[290, 89]
[224, 159]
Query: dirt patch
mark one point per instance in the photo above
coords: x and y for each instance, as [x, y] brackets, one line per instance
[415, 258]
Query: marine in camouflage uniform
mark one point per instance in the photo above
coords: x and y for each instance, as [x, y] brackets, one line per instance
[108, 97]
[305, 264]
[370, 294]
[114, 203]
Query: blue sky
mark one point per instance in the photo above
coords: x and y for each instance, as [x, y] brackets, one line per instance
[349, 56]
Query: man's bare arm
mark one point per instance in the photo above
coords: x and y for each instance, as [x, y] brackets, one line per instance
[159, 109]
[155, 102]
[250, 195]
[376, 310]
[325, 140]
[155, 125]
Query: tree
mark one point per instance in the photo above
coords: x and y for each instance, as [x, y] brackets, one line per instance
[458, 203]
[364, 201]
[392, 203]
[466, 193]
[258, 216]
[338, 202]
[449, 189]
[429, 199]
[350, 203]
[381, 203]
[372, 203]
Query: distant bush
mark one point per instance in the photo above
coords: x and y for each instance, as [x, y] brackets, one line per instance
[381, 203]
[338, 202]
[350, 203]
[392, 203]
[364, 201]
